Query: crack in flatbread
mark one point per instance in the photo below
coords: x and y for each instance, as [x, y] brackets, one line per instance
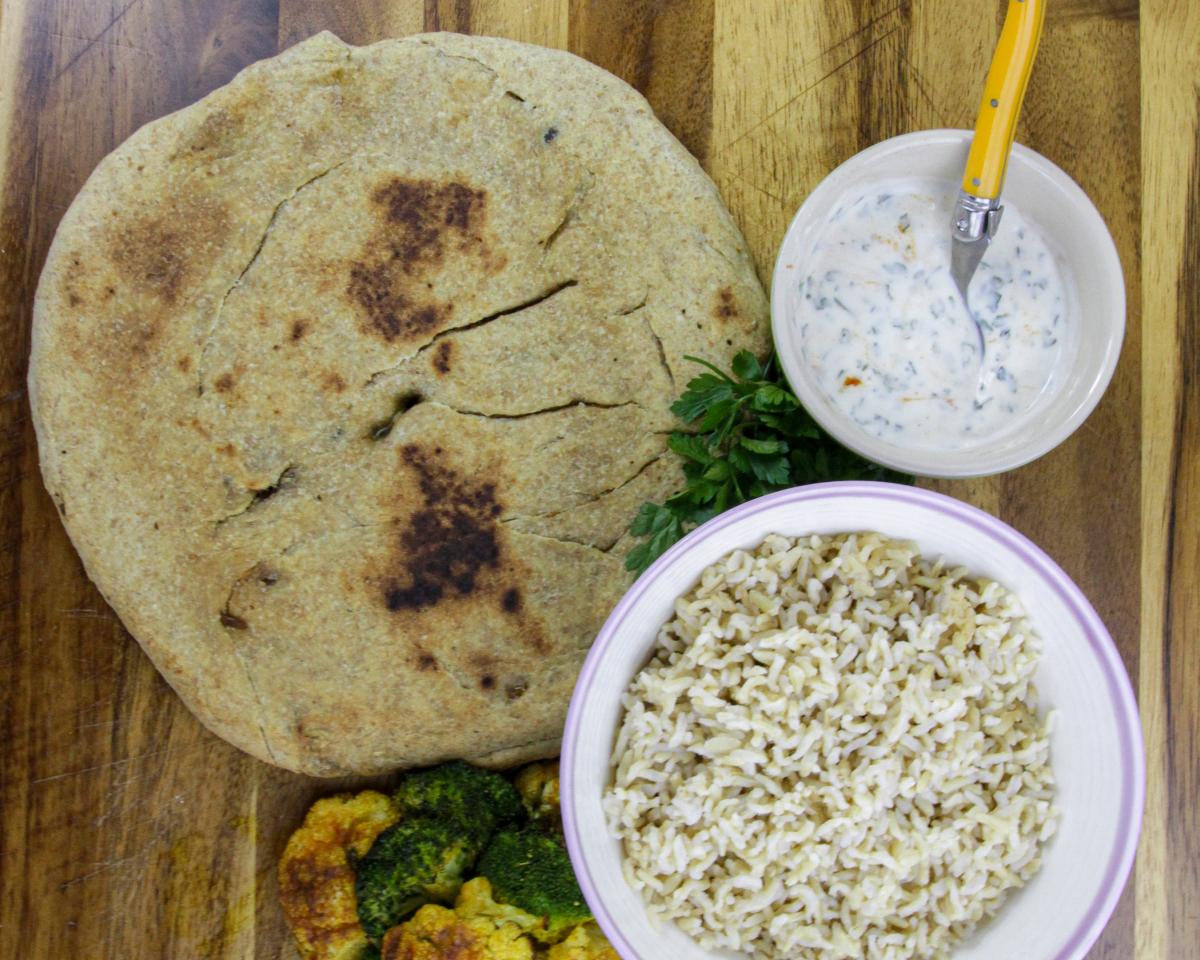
[216, 322]
[527, 303]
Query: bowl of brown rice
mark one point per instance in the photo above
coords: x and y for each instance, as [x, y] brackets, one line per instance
[853, 720]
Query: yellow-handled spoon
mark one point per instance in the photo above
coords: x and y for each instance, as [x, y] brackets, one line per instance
[977, 213]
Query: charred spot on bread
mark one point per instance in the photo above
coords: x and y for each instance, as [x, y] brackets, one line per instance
[449, 541]
[390, 311]
[333, 382]
[217, 136]
[441, 356]
[426, 661]
[159, 254]
[726, 308]
[418, 222]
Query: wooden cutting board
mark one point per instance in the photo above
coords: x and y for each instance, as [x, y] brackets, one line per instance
[127, 831]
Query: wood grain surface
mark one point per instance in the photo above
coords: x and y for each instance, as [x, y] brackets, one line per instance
[127, 831]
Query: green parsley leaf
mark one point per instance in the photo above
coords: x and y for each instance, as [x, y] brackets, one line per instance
[763, 446]
[750, 436]
[660, 526]
[771, 397]
[700, 396]
[690, 446]
[646, 519]
[746, 366]
[772, 470]
[719, 470]
[739, 458]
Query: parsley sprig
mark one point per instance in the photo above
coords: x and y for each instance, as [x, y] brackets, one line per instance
[751, 437]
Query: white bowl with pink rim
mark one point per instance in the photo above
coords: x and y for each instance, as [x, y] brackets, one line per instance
[1096, 745]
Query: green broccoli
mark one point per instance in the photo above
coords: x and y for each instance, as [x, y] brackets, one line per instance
[413, 862]
[479, 799]
[531, 870]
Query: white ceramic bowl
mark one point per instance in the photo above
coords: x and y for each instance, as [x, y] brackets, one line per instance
[1096, 746]
[1087, 258]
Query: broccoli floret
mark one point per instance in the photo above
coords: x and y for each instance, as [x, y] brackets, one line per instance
[414, 862]
[477, 798]
[531, 870]
[450, 813]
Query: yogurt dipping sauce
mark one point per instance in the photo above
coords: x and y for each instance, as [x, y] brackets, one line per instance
[889, 339]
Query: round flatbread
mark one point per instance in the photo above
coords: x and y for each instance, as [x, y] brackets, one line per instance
[349, 378]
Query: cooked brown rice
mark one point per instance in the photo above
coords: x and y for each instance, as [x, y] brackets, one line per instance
[835, 752]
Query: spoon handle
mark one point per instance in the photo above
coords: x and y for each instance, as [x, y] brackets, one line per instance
[1002, 95]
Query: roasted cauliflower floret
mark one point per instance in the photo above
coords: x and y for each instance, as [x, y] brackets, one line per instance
[538, 786]
[316, 880]
[585, 942]
[476, 900]
[476, 929]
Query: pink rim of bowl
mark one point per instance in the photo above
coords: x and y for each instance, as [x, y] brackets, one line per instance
[1119, 691]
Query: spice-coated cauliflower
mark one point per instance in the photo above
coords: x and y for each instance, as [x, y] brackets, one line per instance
[538, 786]
[477, 928]
[585, 942]
[316, 880]
[477, 899]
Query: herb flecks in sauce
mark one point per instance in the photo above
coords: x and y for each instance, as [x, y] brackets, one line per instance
[889, 339]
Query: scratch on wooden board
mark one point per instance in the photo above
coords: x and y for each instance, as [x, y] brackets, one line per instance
[28, 272]
[903, 5]
[115, 721]
[1088, 427]
[120, 805]
[102, 702]
[96, 39]
[84, 613]
[1116, 10]
[116, 43]
[98, 766]
[812, 86]
[103, 867]
[919, 82]
[754, 186]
